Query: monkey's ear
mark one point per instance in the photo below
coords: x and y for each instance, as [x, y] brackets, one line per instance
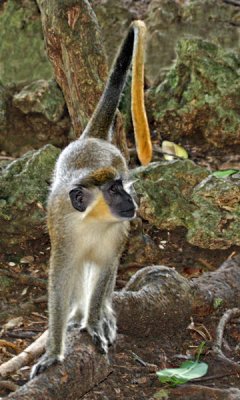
[80, 198]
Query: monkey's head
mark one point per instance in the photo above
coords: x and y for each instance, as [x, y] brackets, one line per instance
[104, 197]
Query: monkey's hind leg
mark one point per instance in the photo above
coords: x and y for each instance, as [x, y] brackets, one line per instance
[80, 298]
[76, 320]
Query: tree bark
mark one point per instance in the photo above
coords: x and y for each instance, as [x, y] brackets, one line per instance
[82, 369]
[75, 48]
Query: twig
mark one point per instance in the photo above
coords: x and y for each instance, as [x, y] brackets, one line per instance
[149, 366]
[8, 385]
[217, 346]
[20, 335]
[40, 299]
[36, 314]
[25, 279]
[232, 2]
[158, 150]
[138, 359]
[5, 343]
[24, 358]
[7, 158]
[213, 377]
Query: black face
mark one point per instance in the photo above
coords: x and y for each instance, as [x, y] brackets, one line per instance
[119, 201]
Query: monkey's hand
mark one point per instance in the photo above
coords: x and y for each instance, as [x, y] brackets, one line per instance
[45, 361]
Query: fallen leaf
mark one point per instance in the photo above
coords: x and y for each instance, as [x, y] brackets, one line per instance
[188, 370]
[27, 260]
[171, 149]
[225, 173]
[13, 323]
[5, 343]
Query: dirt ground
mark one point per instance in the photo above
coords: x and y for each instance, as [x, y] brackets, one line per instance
[134, 361]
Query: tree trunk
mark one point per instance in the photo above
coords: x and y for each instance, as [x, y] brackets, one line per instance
[75, 48]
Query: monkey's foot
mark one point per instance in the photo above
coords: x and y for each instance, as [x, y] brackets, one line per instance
[98, 338]
[45, 361]
[110, 328]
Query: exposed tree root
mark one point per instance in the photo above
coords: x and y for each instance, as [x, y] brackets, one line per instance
[82, 369]
[25, 357]
[217, 347]
[156, 301]
[198, 392]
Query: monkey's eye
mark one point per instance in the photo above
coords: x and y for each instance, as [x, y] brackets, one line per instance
[114, 188]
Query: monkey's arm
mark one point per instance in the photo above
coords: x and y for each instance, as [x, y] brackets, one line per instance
[60, 283]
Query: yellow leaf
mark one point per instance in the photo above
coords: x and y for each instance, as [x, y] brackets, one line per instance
[171, 149]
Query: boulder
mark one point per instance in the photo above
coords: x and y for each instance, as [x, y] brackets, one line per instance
[32, 115]
[182, 194]
[43, 97]
[170, 20]
[200, 96]
[24, 185]
[22, 54]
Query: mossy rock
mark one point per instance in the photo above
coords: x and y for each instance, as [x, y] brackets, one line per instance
[216, 220]
[200, 95]
[165, 188]
[24, 186]
[182, 194]
[22, 54]
[41, 96]
[170, 20]
[31, 116]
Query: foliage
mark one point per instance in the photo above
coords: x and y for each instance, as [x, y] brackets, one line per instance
[225, 173]
[187, 371]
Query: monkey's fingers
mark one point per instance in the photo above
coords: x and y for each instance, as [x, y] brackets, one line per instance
[44, 362]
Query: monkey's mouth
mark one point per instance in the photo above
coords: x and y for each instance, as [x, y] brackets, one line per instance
[128, 213]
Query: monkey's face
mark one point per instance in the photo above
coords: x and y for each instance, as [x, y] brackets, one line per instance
[119, 200]
[108, 202]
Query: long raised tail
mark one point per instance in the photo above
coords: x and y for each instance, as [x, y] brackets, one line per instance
[100, 124]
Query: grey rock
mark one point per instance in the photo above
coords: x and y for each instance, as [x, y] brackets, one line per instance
[24, 185]
[182, 194]
[43, 97]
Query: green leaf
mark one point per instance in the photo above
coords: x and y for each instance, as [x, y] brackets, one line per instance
[200, 351]
[225, 173]
[161, 395]
[217, 302]
[172, 149]
[188, 370]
